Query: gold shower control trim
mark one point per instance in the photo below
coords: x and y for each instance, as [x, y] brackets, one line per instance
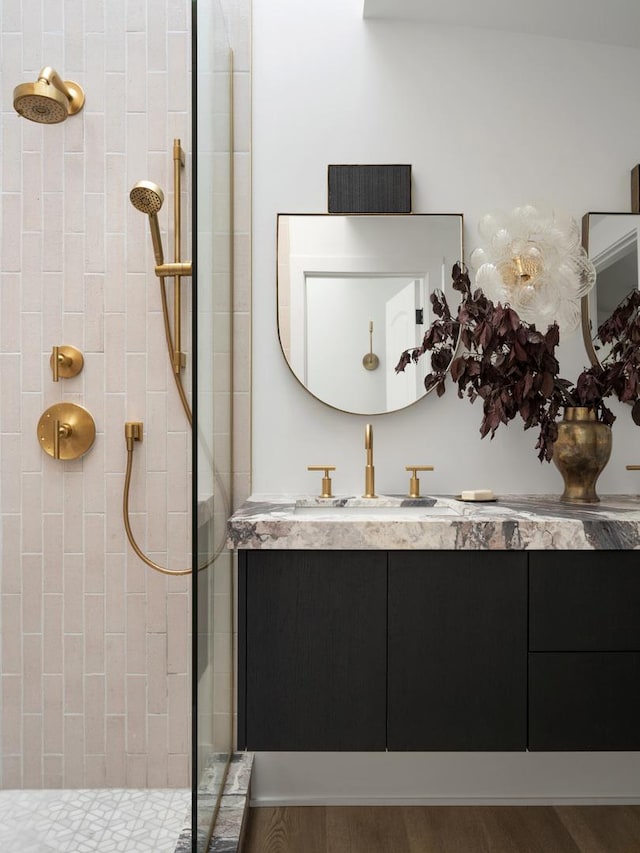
[65, 361]
[414, 482]
[66, 431]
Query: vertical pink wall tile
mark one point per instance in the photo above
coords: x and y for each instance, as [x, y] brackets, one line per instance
[30, 454]
[94, 563]
[73, 753]
[73, 488]
[178, 645]
[136, 635]
[157, 768]
[156, 504]
[53, 727]
[32, 750]
[94, 715]
[114, 32]
[52, 555]
[52, 652]
[11, 575]
[178, 713]
[52, 771]
[11, 714]
[10, 411]
[31, 378]
[94, 653]
[32, 263]
[52, 246]
[73, 594]
[179, 774]
[115, 751]
[11, 635]
[157, 673]
[115, 674]
[157, 588]
[31, 512]
[32, 674]
[178, 448]
[136, 686]
[10, 481]
[136, 771]
[115, 616]
[95, 771]
[32, 601]
[10, 313]
[73, 679]
[11, 244]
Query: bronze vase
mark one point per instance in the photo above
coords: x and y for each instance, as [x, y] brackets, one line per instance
[581, 451]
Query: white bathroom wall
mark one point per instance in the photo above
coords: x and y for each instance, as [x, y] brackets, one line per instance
[487, 120]
[95, 645]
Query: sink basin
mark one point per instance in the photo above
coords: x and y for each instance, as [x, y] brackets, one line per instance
[372, 512]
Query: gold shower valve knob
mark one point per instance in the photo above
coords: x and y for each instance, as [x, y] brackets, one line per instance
[65, 361]
[66, 431]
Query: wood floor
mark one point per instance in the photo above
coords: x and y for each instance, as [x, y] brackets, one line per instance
[444, 829]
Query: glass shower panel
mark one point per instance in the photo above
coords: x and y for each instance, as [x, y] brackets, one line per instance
[212, 610]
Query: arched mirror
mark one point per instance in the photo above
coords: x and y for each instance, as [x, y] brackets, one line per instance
[353, 293]
[611, 241]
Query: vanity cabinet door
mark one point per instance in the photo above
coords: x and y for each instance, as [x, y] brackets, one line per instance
[457, 650]
[314, 650]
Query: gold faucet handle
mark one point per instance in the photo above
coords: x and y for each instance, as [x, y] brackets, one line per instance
[633, 467]
[414, 482]
[326, 480]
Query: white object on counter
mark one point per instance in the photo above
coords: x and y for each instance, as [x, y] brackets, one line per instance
[476, 495]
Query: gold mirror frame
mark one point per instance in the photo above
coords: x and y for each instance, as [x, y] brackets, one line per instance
[379, 254]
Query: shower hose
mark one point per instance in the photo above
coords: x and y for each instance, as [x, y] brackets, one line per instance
[130, 449]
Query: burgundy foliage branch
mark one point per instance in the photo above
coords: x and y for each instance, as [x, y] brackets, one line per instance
[492, 354]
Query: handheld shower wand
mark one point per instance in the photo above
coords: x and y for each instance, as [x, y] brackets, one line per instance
[148, 198]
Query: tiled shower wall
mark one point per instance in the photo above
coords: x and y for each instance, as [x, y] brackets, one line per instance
[95, 646]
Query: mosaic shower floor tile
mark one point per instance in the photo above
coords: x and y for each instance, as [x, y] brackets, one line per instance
[92, 821]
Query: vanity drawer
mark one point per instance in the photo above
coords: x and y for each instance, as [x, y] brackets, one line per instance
[584, 701]
[584, 601]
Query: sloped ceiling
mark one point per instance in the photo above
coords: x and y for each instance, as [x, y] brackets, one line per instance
[615, 22]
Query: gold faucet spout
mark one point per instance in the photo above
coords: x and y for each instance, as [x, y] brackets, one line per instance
[369, 470]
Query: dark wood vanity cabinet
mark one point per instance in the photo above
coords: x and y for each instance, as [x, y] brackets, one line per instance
[584, 650]
[457, 641]
[439, 650]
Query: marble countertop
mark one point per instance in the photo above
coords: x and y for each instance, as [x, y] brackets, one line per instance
[435, 522]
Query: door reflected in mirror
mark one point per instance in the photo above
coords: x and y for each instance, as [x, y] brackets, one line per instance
[353, 293]
[611, 241]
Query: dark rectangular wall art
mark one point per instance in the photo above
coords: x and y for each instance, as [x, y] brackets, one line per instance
[370, 189]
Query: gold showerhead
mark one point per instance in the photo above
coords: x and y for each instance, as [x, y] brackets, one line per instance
[147, 197]
[49, 100]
